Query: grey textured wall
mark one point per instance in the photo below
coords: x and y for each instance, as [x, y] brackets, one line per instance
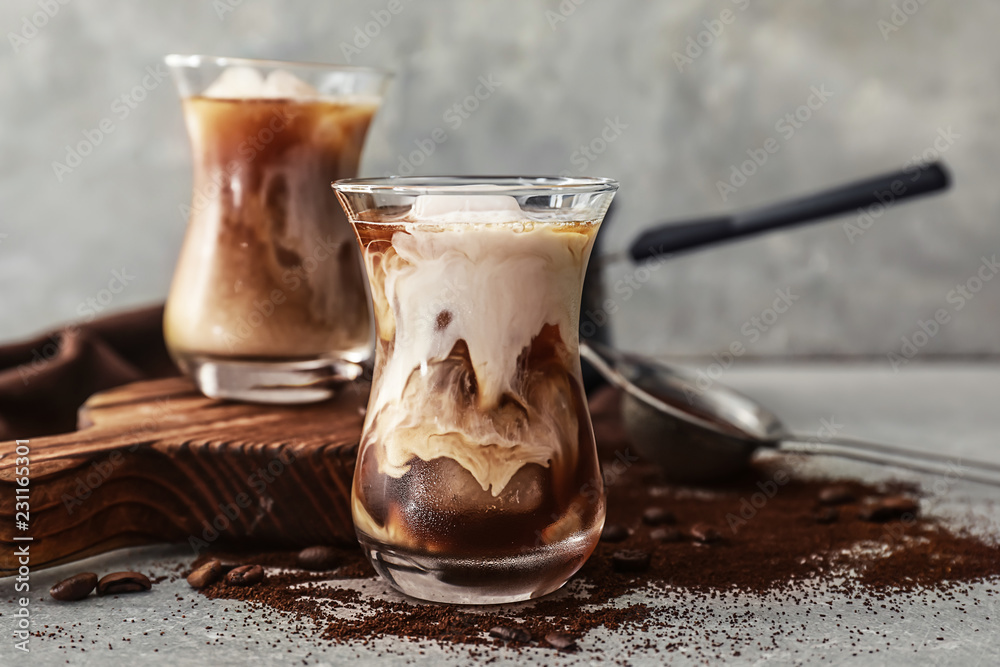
[564, 71]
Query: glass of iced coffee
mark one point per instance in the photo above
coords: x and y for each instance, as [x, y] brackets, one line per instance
[477, 479]
[269, 301]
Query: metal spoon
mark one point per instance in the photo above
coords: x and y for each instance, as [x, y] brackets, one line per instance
[690, 235]
[883, 190]
[704, 435]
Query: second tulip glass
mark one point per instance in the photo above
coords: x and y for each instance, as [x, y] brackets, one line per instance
[477, 479]
[268, 302]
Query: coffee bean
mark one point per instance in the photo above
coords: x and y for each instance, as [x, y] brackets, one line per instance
[228, 564]
[665, 535]
[245, 575]
[318, 558]
[510, 634]
[704, 533]
[561, 640]
[76, 587]
[123, 582]
[207, 574]
[630, 560]
[657, 516]
[826, 515]
[614, 533]
[837, 494]
[889, 508]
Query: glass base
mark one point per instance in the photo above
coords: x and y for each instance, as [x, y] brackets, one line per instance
[302, 381]
[480, 580]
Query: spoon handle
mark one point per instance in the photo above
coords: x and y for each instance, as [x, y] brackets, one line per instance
[951, 467]
[882, 191]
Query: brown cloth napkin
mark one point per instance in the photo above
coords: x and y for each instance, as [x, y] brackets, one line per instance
[44, 381]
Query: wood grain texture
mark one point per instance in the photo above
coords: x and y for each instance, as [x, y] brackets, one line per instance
[158, 462]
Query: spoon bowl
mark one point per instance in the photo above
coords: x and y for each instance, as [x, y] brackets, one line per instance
[708, 454]
[694, 434]
[700, 434]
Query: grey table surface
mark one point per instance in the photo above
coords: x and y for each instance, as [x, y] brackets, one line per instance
[941, 407]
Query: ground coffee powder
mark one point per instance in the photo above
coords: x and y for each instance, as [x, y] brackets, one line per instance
[769, 531]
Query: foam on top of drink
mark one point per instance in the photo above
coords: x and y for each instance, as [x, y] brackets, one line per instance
[244, 83]
[458, 208]
[247, 82]
[482, 280]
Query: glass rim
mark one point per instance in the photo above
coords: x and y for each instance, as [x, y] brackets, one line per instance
[198, 60]
[465, 185]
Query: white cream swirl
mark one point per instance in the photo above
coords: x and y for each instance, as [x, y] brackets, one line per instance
[464, 304]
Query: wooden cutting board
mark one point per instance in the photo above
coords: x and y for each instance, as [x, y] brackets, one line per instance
[158, 462]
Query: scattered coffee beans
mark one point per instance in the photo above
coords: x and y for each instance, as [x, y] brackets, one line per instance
[318, 558]
[245, 575]
[123, 582]
[561, 640]
[229, 564]
[614, 533]
[705, 533]
[779, 552]
[74, 588]
[207, 574]
[665, 535]
[889, 508]
[510, 634]
[837, 494]
[657, 516]
[630, 560]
